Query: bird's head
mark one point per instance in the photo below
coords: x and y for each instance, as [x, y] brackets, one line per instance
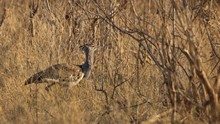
[88, 48]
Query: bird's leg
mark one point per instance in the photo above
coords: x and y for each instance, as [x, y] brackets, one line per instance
[49, 80]
[47, 88]
[66, 93]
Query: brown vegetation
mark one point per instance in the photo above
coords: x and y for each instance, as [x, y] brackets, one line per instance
[159, 60]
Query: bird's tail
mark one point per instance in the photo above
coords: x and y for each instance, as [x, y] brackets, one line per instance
[33, 79]
[28, 81]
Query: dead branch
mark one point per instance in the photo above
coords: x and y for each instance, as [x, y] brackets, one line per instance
[3, 15]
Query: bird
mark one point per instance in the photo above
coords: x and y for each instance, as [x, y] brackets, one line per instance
[63, 74]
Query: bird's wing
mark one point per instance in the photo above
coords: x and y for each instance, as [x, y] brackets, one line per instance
[56, 73]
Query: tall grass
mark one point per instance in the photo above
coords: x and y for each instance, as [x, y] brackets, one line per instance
[142, 73]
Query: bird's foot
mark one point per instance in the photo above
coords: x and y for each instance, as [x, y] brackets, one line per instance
[47, 88]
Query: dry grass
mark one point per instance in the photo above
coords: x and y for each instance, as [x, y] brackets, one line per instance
[129, 83]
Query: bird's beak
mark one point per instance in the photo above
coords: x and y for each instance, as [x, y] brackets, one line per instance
[81, 48]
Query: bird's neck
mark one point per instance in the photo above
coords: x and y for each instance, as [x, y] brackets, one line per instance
[89, 59]
[88, 64]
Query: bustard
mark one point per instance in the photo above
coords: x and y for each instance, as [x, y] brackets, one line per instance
[65, 75]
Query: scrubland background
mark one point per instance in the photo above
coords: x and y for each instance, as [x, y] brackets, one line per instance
[158, 60]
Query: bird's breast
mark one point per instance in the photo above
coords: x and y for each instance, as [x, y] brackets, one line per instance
[87, 73]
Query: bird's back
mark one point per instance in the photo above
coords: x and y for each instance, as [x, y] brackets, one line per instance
[56, 72]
